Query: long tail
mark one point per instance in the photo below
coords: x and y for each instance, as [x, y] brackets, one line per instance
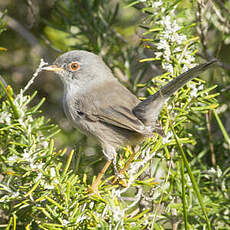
[148, 110]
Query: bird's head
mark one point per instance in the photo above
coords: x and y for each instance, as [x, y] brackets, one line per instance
[79, 67]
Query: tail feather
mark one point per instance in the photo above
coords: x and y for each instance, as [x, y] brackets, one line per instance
[148, 110]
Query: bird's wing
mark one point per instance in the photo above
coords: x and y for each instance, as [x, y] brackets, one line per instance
[119, 116]
[111, 104]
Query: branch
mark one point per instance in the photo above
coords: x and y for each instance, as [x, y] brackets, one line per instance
[27, 35]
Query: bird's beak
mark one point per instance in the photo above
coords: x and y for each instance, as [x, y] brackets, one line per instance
[53, 68]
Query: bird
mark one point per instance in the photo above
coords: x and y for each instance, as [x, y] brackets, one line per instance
[98, 105]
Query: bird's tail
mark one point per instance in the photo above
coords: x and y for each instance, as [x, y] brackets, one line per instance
[148, 110]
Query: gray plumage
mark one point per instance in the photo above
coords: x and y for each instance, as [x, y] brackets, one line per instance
[98, 105]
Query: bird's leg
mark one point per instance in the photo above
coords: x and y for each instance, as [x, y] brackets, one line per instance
[122, 171]
[110, 153]
[94, 186]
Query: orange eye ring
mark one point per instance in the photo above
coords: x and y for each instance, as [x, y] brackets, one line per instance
[74, 66]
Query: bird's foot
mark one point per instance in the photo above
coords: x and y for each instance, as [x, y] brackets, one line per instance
[93, 190]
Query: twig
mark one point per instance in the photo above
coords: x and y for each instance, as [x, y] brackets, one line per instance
[221, 18]
[19, 28]
[201, 28]
[211, 146]
[27, 35]
[222, 6]
[39, 69]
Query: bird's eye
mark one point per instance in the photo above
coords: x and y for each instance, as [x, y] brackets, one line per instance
[74, 66]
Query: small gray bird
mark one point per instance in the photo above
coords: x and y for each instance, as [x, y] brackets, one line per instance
[100, 106]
